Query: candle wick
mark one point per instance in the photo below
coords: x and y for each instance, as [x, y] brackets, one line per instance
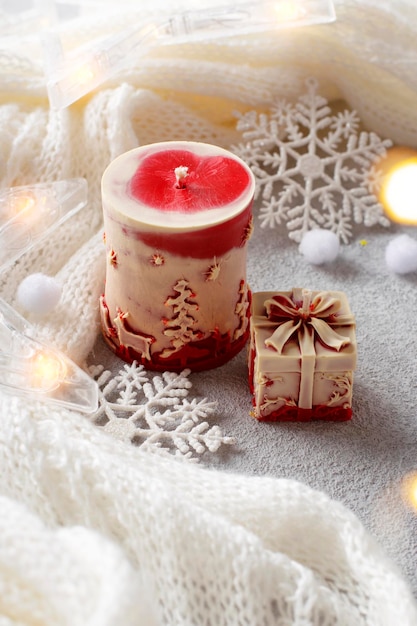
[181, 174]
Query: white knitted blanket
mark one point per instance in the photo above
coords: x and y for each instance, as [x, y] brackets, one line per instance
[93, 530]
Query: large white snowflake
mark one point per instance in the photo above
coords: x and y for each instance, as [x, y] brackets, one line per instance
[154, 412]
[313, 166]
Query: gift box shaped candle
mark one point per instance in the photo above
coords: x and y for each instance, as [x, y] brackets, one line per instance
[177, 218]
[302, 355]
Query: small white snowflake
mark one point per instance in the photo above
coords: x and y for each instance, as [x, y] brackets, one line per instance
[154, 412]
[313, 167]
[157, 259]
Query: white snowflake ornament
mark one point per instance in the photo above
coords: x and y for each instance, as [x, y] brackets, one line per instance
[154, 412]
[313, 167]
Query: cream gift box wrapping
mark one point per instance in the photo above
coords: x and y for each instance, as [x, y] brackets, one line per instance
[302, 355]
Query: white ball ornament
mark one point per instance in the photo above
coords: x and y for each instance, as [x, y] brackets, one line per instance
[39, 294]
[401, 254]
[319, 246]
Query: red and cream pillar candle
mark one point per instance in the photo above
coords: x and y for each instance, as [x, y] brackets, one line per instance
[177, 218]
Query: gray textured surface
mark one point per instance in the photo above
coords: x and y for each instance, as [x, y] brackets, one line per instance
[361, 463]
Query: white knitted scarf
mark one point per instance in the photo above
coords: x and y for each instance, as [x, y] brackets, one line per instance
[94, 531]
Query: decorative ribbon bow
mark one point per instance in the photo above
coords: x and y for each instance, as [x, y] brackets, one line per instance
[307, 316]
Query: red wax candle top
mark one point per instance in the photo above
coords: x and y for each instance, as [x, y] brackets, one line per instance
[179, 180]
[177, 185]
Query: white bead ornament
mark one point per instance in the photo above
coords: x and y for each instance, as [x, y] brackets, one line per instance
[39, 294]
[319, 246]
[401, 254]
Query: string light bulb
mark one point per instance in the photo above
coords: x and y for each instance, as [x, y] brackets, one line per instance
[71, 76]
[409, 490]
[29, 367]
[28, 213]
[398, 194]
[45, 371]
[21, 204]
[287, 10]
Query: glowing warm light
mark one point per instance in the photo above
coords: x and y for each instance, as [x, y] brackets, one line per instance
[26, 211]
[409, 490]
[398, 193]
[286, 11]
[46, 371]
[22, 204]
[84, 75]
[29, 212]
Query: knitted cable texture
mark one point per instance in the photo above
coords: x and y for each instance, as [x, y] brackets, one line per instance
[90, 526]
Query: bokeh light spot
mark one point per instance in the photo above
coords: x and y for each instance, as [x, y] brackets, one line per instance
[398, 193]
[409, 490]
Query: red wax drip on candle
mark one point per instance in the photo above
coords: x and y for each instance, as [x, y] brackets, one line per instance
[202, 243]
[211, 181]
